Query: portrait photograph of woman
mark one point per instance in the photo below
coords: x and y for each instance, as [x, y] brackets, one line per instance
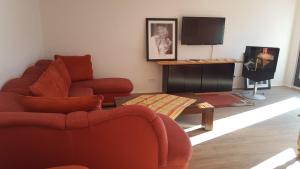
[161, 39]
[262, 59]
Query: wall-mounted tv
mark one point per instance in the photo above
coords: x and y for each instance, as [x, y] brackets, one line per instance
[202, 30]
[260, 63]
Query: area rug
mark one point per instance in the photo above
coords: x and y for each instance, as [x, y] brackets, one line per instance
[169, 105]
[224, 99]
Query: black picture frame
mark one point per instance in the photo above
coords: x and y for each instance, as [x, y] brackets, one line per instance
[156, 29]
[265, 84]
[297, 73]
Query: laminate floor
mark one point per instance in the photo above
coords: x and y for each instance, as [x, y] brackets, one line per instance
[262, 136]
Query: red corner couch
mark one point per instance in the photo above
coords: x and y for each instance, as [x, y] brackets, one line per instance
[108, 87]
[130, 137]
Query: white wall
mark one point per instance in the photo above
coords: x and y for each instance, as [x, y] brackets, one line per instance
[20, 36]
[294, 49]
[113, 31]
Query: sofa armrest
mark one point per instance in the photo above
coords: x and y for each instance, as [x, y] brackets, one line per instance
[123, 114]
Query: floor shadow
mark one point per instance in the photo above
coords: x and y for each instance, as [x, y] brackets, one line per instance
[290, 164]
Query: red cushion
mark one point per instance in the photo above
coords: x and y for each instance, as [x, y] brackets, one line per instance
[79, 67]
[61, 105]
[61, 67]
[50, 84]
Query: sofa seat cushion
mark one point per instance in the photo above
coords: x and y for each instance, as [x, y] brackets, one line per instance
[80, 91]
[10, 102]
[50, 84]
[107, 85]
[61, 104]
[179, 146]
[79, 67]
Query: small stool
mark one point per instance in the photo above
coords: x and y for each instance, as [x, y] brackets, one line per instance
[207, 115]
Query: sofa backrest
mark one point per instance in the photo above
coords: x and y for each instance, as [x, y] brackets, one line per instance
[31, 74]
[113, 139]
[10, 102]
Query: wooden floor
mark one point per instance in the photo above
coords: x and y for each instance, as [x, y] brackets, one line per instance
[250, 146]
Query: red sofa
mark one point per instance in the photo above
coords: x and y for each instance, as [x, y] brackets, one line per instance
[131, 137]
[108, 87]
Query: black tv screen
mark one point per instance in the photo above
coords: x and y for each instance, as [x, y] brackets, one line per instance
[202, 31]
[260, 63]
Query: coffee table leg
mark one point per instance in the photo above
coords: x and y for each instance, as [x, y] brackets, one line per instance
[207, 120]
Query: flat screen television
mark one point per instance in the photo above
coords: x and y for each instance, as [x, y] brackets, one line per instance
[260, 63]
[202, 31]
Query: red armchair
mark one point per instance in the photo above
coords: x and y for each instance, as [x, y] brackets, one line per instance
[130, 137]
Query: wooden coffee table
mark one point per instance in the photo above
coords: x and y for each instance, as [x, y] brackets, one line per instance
[207, 112]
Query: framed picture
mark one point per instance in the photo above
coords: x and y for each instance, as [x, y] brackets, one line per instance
[297, 74]
[249, 84]
[161, 39]
[260, 62]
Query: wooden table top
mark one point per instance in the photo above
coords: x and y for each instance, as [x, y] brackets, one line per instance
[192, 109]
[199, 62]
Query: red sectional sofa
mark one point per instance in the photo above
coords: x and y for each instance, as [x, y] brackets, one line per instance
[130, 137]
[108, 87]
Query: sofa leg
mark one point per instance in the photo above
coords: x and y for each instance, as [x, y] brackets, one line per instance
[112, 104]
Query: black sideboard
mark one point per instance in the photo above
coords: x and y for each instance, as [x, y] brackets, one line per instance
[198, 77]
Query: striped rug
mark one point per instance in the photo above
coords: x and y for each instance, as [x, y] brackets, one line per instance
[166, 104]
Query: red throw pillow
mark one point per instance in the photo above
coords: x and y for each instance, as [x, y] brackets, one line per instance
[61, 67]
[61, 104]
[50, 84]
[79, 67]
